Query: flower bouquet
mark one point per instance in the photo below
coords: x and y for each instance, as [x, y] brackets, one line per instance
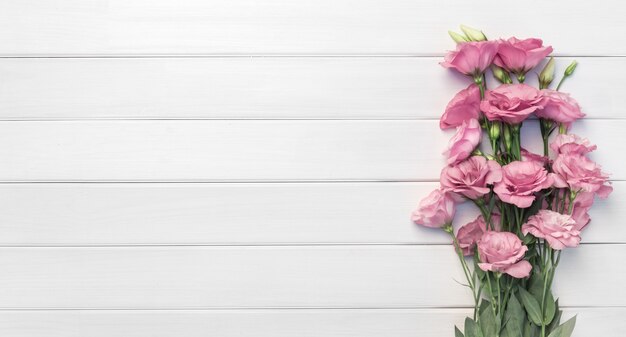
[532, 205]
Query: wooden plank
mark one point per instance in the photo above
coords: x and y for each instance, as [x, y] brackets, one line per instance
[240, 213]
[276, 277]
[267, 88]
[219, 150]
[275, 323]
[243, 27]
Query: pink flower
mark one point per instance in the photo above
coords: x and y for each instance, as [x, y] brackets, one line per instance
[559, 230]
[471, 177]
[464, 142]
[529, 156]
[520, 181]
[436, 210]
[503, 252]
[571, 144]
[582, 204]
[579, 173]
[511, 103]
[471, 58]
[559, 107]
[465, 105]
[470, 233]
[519, 56]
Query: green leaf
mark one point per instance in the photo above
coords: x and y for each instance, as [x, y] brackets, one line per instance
[472, 329]
[531, 305]
[557, 318]
[514, 318]
[488, 322]
[564, 330]
[550, 308]
[535, 286]
[457, 332]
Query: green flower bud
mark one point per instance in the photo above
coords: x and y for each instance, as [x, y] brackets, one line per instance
[458, 38]
[494, 131]
[473, 34]
[501, 75]
[547, 74]
[508, 140]
[570, 69]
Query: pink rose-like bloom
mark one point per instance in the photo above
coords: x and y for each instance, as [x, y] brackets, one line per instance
[520, 181]
[559, 230]
[559, 106]
[465, 105]
[579, 173]
[529, 156]
[571, 144]
[511, 103]
[519, 56]
[470, 233]
[503, 252]
[463, 143]
[436, 210]
[582, 204]
[471, 177]
[471, 58]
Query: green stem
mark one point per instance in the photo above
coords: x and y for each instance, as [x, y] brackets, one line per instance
[470, 280]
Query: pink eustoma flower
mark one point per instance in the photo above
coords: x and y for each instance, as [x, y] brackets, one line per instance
[464, 141]
[503, 252]
[571, 144]
[559, 106]
[465, 105]
[579, 173]
[520, 181]
[519, 56]
[471, 177]
[471, 233]
[511, 103]
[435, 211]
[471, 58]
[580, 209]
[559, 230]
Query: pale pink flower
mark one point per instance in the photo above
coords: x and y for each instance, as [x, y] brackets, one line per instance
[559, 230]
[465, 105]
[503, 252]
[436, 210]
[580, 209]
[464, 141]
[571, 144]
[530, 156]
[471, 177]
[519, 56]
[559, 106]
[511, 103]
[469, 234]
[579, 173]
[520, 181]
[471, 58]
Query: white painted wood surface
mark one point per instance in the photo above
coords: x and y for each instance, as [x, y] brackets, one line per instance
[262, 88]
[279, 27]
[274, 322]
[96, 214]
[274, 277]
[246, 168]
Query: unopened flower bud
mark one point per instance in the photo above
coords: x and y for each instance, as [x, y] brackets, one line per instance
[473, 34]
[570, 69]
[494, 131]
[547, 74]
[501, 75]
[458, 38]
[508, 141]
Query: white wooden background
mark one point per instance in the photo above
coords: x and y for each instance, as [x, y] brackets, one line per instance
[247, 168]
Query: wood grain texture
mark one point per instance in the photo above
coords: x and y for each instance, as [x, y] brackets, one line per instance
[266, 88]
[240, 214]
[218, 150]
[303, 27]
[604, 322]
[276, 277]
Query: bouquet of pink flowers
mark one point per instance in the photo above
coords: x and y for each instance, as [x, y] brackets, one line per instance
[532, 205]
